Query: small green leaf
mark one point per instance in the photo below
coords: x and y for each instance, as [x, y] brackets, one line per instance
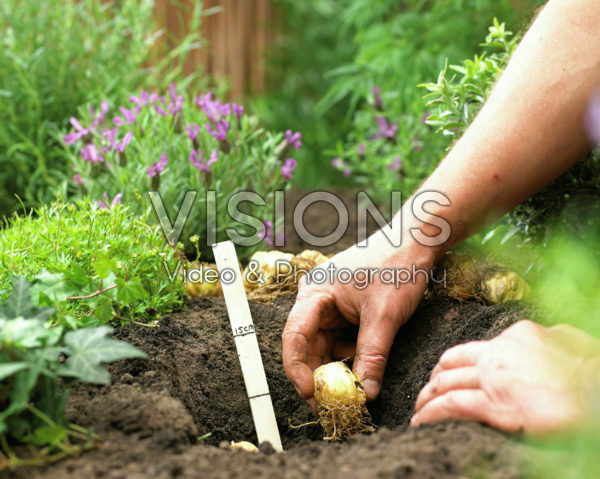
[89, 347]
[104, 265]
[19, 301]
[130, 291]
[9, 369]
[104, 311]
[49, 435]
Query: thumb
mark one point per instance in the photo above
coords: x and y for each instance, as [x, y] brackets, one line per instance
[373, 344]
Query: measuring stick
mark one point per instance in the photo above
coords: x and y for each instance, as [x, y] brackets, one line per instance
[247, 344]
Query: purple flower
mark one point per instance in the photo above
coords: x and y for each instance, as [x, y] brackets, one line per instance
[204, 100]
[592, 119]
[80, 131]
[220, 131]
[128, 114]
[100, 118]
[238, 110]
[192, 131]
[376, 92]
[267, 232]
[361, 149]
[78, 179]
[118, 121]
[140, 101]
[90, 153]
[74, 136]
[176, 105]
[197, 159]
[160, 110]
[116, 201]
[126, 140]
[386, 129]
[293, 140]
[396, 164]
[288, 166]
[340, 164]
[158, 167]
[109, 136]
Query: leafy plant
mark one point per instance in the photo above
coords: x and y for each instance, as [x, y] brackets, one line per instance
[33, 358]
[176, 144]
[92, 265]
[461, 90]
[398, 46]
[59, 54]
[455, 99]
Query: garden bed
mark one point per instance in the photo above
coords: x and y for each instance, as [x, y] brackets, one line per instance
[191, 384]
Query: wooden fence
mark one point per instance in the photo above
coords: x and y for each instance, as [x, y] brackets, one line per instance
[238, 36]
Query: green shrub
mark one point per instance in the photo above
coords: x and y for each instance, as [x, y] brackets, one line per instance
[455, 99]
[398, 46]
[32, 359]
[56, 55]
[176, 144]
[110, 259]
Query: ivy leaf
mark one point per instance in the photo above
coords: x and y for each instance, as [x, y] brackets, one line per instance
[104, 311]
[89, 347]
[19, 301]
[7, 370]
[130, 291]
[104, 265]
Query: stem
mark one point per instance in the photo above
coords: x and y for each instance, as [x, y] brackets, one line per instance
[96, 293]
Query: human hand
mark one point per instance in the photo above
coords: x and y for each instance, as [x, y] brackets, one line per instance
[316, 327]
[528, 378]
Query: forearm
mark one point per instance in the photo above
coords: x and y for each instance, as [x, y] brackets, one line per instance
[531, 128]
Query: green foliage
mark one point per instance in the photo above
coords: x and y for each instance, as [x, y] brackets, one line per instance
[56, 55]
[177, 145]
[32, 359]
[90, 264]
[461, 90]
[398, 46]
[455, 99]
[309, 42]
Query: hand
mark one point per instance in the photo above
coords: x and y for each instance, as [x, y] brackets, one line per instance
[316, 327]
[528, 378]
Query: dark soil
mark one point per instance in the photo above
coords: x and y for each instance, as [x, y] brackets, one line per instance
[191, 384]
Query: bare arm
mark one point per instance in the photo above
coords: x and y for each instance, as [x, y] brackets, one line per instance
[528, 133]
[531, 129]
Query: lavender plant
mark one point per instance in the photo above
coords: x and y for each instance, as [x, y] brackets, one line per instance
[56, 55]
[178, 143]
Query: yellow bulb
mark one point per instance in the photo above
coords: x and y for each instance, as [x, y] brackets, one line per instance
[243, 446]
[335, 382]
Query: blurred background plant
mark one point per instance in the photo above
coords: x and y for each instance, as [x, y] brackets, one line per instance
[386, 48]
[310, 40]
[56, 57]
[174, 144]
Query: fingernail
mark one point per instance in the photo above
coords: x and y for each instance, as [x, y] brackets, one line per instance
[371, 387]
[414, 419]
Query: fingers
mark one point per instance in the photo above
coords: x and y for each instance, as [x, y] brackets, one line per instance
[468, 404]
[375, 338]
[461, 378]
[460, 356]
[301, 328]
